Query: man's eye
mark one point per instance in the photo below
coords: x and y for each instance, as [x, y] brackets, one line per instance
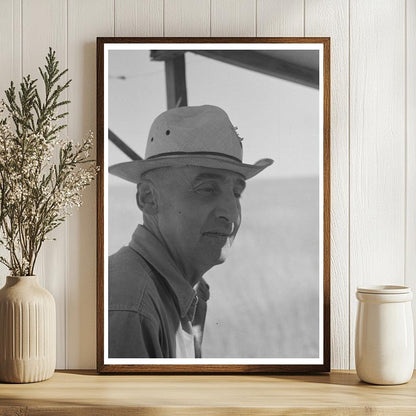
[206, 190]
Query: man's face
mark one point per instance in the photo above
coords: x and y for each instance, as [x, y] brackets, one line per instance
[199, 214]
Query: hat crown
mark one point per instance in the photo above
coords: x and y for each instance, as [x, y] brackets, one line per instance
[202, 129]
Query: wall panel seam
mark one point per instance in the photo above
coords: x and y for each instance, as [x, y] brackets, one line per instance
[405, 145]
[21, 40]
[349, 185]
[66, 222]
[13, 39]
[210, 18]
[304, 18]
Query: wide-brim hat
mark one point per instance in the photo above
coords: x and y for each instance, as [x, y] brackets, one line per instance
[191, 136]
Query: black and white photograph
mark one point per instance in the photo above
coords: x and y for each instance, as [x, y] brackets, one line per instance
[215, 217]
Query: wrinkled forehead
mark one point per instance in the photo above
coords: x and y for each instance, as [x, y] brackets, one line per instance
[199, 174]
[192, 174]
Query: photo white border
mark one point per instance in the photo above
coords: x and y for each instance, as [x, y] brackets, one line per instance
[219, 361]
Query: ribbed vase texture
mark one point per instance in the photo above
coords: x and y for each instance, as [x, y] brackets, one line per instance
[27, 331]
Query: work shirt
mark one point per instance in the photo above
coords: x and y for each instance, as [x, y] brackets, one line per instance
[151, 305]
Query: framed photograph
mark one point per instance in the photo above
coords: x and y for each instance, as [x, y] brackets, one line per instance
[213, 230]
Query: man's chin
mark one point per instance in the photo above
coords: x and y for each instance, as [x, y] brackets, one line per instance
[222, 256]
[217, 254]
[215, 260]
[221, 260]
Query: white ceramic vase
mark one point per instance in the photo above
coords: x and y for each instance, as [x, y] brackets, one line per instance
[384, 340]
[27, 331]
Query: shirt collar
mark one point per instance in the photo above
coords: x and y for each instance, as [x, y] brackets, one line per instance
[147, 245]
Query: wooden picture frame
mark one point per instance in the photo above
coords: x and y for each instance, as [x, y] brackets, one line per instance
[298, 62]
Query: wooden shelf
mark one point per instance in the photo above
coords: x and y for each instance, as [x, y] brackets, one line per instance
[85, 393]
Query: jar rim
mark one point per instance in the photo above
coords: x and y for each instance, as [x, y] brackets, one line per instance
[384, 289]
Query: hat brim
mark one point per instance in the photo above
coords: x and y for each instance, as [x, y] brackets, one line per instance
[132, 171]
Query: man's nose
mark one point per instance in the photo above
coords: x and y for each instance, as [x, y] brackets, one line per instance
[228, 209]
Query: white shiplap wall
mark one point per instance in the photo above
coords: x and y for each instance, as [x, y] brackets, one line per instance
[373, 132]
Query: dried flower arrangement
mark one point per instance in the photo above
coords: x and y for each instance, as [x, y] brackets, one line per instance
[41, 175]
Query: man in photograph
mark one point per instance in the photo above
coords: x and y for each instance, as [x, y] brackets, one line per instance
[188, 189]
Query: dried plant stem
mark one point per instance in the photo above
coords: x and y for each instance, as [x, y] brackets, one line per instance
[36, 194]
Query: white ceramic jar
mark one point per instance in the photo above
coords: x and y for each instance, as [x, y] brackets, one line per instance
[384, 340]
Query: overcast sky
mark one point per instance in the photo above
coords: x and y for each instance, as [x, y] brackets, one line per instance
[276, 118]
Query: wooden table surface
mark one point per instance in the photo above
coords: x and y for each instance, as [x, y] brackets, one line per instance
[86, 393]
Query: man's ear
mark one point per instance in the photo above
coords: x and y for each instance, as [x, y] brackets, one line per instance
[147, 198]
